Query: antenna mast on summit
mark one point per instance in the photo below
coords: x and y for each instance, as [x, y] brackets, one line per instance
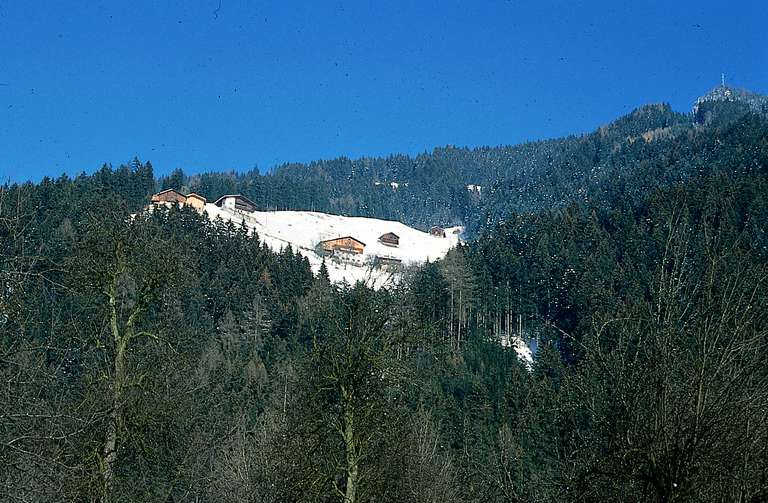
[722, 79]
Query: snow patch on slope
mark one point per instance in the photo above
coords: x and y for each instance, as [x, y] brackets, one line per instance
[522, 349]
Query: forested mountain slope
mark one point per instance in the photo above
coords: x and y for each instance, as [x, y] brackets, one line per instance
[651, 147]
[437, 188]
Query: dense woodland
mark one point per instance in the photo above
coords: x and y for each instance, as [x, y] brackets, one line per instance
[165, 357]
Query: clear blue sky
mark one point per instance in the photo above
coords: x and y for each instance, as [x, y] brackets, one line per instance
[209, 85]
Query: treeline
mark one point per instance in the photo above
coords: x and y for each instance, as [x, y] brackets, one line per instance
[159, 356]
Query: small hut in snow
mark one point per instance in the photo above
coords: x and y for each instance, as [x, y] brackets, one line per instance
[390, 239]
[437, 231]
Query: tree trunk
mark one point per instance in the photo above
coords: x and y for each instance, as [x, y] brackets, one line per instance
[118, 383]
[450, 325]
[350, 444]
[458, 332]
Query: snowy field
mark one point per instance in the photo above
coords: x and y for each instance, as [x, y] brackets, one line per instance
[303, 230]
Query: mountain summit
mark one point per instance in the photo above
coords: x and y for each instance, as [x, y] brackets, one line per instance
[743, 99]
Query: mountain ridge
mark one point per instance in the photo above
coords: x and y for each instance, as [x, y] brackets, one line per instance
[475, 187]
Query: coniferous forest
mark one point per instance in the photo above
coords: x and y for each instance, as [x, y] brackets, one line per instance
[162, 356]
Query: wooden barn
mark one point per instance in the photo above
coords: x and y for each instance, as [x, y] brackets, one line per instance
[196, 201]
[236, 202]
[346, 244]
[390, 239]
[169, 196]
[437, 231]
[388, 263]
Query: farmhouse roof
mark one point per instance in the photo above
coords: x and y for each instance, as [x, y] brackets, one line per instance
[170, 190]
[236, 196]
[343, 237]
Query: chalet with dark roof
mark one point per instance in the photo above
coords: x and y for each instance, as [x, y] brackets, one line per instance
[390, 239]
[236, 202]
[437, 231]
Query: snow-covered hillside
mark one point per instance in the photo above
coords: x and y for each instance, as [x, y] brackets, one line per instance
[303, 230]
